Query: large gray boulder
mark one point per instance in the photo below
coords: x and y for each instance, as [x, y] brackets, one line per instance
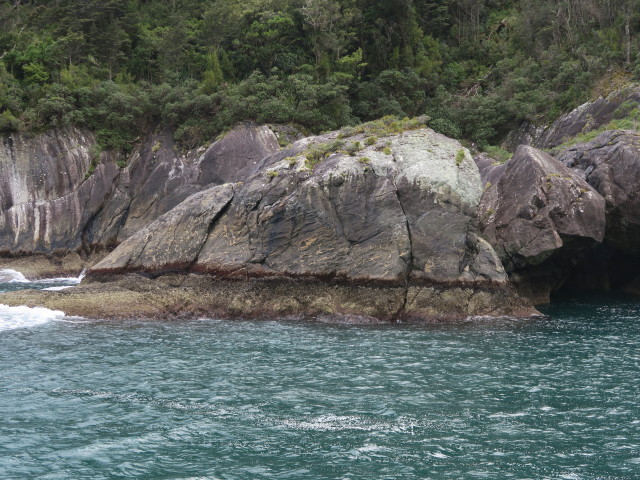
[394, 221]
[175, 239]
[611, 165]
[372, 216]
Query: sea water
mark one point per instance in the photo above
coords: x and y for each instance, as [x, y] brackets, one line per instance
[552, 398]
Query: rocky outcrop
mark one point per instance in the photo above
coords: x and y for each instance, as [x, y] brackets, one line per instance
[237, 155]
[585, 118]
[386, 231]
[47, 197]
[490, 169]
[175, 240]
[370, 223]
[158, 178]
[54, 198]
[611, 165]
[540, 216]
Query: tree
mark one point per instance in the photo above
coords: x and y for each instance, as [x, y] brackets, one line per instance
[213, 76]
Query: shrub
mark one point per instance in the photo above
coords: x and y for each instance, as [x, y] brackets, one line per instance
[318, 152]
[499, 153]
[8, 123]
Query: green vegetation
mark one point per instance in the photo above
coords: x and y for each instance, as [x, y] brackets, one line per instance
[291, 161]
[631, 121]
[318, 152]
[459, 157]
[95, 152]
[477, 68]
[353, 148]
[385, 126]
[500, 154]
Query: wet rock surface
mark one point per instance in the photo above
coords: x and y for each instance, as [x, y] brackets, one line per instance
[540, 217]
[398, 221]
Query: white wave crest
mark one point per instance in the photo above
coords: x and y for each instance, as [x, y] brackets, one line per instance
[12, 276]
[57, 289]
[72, 280]
[25, 317]
[8, 275]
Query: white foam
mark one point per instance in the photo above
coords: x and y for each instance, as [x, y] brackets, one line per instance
[8, 275]
[57, 289]
[26, 317]
[73, 280]
[12, 276]
[325, 423]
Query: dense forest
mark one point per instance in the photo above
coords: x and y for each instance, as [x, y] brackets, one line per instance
[477, 68]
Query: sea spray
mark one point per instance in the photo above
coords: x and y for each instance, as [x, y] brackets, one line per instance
[12, 276]
[24, 317]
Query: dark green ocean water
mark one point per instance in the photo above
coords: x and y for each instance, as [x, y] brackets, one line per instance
[556, 398]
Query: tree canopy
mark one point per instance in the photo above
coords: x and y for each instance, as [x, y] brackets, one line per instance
[478, 68]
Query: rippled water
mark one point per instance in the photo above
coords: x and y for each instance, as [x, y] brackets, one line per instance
[554, 398]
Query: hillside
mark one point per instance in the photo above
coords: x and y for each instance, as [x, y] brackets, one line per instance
[124, 68]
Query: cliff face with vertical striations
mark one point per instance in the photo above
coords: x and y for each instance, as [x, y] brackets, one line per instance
[46, 202]
[57, 194]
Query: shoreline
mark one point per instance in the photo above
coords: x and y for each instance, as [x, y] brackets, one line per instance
[196, 295]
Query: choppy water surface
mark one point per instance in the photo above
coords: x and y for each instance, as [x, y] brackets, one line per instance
[555, 398]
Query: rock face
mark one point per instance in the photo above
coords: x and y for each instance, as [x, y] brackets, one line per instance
[366, 223]
[585, 118]
[158, 178]
[611, 165]
[237, 155]
[46, 202]
[388, 231]
[490, 169]
[540, 215]
[175, 239]
[50, 202]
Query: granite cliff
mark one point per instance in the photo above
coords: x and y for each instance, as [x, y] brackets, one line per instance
[383, 221]
[60, 196]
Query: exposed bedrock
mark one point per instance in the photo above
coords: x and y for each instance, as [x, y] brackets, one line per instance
[237, 155]
[585, 118]
[611, 165]
[55, 197]
[402, 226]
[158, 178]
[542, 218]
[395, 222]
[490, 169]
[46, 199]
